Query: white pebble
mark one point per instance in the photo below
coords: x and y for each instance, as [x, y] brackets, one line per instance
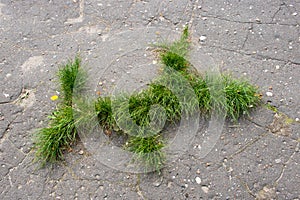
[198, 180]
[205, 189]
[297, 119]
[202, 38]
[294, 14]
[277, 67]
[277, 161]
[81, 152]
[269, 94]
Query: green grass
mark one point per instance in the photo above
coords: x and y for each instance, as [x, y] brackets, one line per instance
[164, 102]
[104, 113]
[57, 137]
[241, 97]
[174, 61]
[272, 108]
[214, 93]
[71, 76]
[180, 47]
[147, 152]
[218, 92]
[60, 134]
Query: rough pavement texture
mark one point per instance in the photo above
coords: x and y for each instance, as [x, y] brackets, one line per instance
[257, 40]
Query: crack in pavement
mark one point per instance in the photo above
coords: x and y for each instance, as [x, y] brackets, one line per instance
[279, 9]
[81, 14]
[13, 100]
[296, 150]
[246, 38]
[250, 143]
[195, 5]
[253, 55]
[10, 123]
[258, 22]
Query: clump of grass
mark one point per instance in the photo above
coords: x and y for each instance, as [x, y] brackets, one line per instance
[70, 76]
[175, 61]
[147, 152]
[57, 137]
[104, 112]
[241, 96]
[61, 132]
[159, 94]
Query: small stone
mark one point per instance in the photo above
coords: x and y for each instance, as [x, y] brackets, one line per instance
[113, 80]
[202, 38]
[100, 83]
[81, 152]
[277, 67]
[297, 119]
[154, 62]
[269, 94]
[198, 180]
[277, 161]
[198, 171]
[294, 14]
[8, 75]
[205, 189]
[158, 182]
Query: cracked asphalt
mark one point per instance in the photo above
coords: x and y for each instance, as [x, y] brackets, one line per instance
[257, 158]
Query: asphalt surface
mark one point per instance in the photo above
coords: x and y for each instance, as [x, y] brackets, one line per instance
[257, 158]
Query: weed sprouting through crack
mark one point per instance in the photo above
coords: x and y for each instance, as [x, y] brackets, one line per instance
[145, 106]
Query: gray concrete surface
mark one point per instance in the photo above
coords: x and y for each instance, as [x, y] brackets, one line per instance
[258, 40]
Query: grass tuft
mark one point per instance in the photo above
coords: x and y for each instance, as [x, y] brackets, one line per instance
[241, 97]
[174, 61]
[104, 112]
[61, 132]
[147, 152]
[59, 136]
